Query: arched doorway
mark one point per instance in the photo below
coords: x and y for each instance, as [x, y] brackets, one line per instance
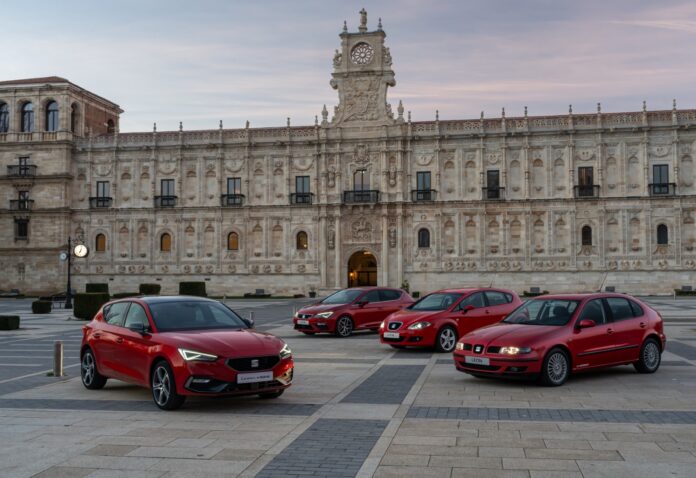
[362, 269]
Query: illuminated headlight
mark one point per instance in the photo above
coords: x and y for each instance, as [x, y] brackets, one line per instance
[460, 345]
[285, 352]
[192, 355]
[382, 325]
[324, 315]
[419, 326]
[515, 350]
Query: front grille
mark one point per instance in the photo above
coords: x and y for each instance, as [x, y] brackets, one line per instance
[478, 349]
[386, 339]
[246, 364]
[303, 327]
[303, 316]
[475, 366]
[467, 346]
[493, 349]
[394, 325]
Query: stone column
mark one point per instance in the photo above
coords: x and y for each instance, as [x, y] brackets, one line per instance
[385, 249]
[337, 251]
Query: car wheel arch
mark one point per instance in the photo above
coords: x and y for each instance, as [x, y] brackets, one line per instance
[155, 360]
[569, 354]
[653, 335]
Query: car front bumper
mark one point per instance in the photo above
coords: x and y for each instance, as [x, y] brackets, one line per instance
[496, 365]
[314, 325]
[410, 338]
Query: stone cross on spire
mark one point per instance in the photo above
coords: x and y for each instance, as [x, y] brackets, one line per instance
[363, 21]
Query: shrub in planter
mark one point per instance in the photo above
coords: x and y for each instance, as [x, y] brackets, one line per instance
[88, 304]
[123, 295]
[415, 294]
[685, 293]
[192, 288]
[95, 287]
[9, 322]
[41, 306]
[150, 289]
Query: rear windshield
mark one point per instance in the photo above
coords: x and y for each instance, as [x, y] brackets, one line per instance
[543, 312]
[345, 296]
[194, 315]
[437, 301]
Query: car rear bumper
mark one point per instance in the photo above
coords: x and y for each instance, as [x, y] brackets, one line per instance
[410, 338]
[498, 366]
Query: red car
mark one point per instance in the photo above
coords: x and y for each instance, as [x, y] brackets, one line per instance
[440, 318]
[351, 309]
[180, 346]
[552, 336]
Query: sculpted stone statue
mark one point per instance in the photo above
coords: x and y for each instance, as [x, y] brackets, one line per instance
[363, 21]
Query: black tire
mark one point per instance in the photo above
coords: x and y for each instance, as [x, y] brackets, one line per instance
[397, 346]
[163, 387]
[91, 378]
[650, 357]
[270, 395]
[446, 339]
[555, 369]
[308, 333]
[344, 326]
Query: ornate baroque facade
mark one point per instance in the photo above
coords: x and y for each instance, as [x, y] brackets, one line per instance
[572, 202]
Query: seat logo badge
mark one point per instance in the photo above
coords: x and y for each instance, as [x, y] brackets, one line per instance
[478, 349]
[254, 363]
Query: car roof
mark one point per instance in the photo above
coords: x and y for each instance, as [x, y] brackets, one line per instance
[157, 299]
[582, 296]
[470, 289]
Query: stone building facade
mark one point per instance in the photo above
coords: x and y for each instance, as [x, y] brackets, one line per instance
[363, 196]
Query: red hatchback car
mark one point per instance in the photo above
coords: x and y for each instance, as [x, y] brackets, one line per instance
[552, 336]
[440, 318]
[351, 309]
[180, 346]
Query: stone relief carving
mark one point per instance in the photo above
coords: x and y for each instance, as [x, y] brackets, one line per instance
[361, 96]
[361, 154]
[362, 230]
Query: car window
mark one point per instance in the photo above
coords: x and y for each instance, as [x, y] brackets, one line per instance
[495, 298]
[115, 313]
[372, 296]
[508, 297]
[543, 312]
[345, 296]
[637, 310]
[594, 310]
[620, 308]
[476, 299]
[136, 315]
[389, 294]
[436, 301]
[194, 315]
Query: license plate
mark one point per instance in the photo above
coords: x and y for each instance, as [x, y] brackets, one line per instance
[477, 360]
[254, 377]
[302, 322]
[391, 335]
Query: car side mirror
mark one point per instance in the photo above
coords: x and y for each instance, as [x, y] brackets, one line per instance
[586, 324]
[249, 322]
[467, 308]
[138, 328]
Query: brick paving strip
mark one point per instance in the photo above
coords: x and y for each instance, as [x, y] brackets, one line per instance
[388, 385]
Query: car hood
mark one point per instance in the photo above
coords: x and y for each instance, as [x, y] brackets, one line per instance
[408, 317]
[511, 334]
[317, 308]
[225, 343]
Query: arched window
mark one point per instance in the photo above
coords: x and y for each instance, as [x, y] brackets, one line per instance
[233, 241]
[27, 118]
[73, 118]
[165, 242]
[302, 243]
[100, 243]
[52, 116]
[586, 236]
[662, 235]
[4, 118]
[423, 238]
[110, 126]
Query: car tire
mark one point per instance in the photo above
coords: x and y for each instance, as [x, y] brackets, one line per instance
[163, 387]
[397, 346]
[446, 339]
[270, 395]
[308, 333]
[91, 378]
[555, 369]
[344, 326]
[650, 357]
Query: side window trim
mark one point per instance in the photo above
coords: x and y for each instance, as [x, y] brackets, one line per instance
[123, 314]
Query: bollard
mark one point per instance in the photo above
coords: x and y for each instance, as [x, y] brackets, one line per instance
[58, 358]
[251, 316]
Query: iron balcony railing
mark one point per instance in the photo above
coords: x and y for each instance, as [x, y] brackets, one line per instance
[165, 201]
[301, 198]
[662, 189]
[21, 204]
[100, 202]
[493, 194]
[423, 195]
[232, 200]
[586, 191]
[21, 170]
[361, 196]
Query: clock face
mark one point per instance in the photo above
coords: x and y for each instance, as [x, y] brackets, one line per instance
[80, 250]
[63, 256]
[361, 54]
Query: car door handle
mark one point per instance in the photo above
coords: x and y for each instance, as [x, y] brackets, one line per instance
[642, 325]
[488, 311]
[610, 331]
[119, 340]
[97, 336]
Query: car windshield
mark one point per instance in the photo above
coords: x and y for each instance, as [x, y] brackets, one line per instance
[437, 301]
[543, 312]
[345, 296]
[194, 315]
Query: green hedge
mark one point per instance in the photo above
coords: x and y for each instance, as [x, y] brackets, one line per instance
[41, 306]
[415, 294]
[684, 292]
[150, 289]
[97, 287]
[9, 322]
[88, 304]
[123, 295]
[534, 294]
[192, 288]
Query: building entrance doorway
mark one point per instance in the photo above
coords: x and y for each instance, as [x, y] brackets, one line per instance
[362, 269]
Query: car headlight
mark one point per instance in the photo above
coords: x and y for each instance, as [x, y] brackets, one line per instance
[324, 315]
[381, 326]
[460, 346]
[515, 350]
[192, 355]
[285, 352]
[419, 325]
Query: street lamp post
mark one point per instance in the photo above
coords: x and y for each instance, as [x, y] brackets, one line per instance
[68, 294]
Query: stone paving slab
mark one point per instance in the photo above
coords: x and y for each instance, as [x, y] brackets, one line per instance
[389, 384]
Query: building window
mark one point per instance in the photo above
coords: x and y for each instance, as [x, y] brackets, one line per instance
[167, 187]
[234, 185]
[302, 194]
[424, 238]
[233, 241]
[361, 180]
[492, 184]
[662, 235]
[110, 127]
[23, 204]
[27, 118]
[165, 242]
[100, 243]
[52, 116]
[4, 118]
[423, 181]
[21, 229]
[586, 236]
[103, 189]
[73, 118]
[660, 183]
[302, 243]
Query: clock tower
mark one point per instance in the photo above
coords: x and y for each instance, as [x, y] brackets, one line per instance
[362, 73]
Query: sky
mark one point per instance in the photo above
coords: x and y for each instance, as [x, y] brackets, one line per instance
[203, 61]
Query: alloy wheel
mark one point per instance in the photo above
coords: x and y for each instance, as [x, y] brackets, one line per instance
[447, 339]
[344, 326]
[651, 355]
[87, 368]
[557, 367]
[161, 386]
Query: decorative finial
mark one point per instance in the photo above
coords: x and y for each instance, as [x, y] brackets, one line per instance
[599, 107]
[324, 114]
[481, 115]
[220, 124]
[570, 109]
[316, 120]
[674, 104]
[437, 115]
[345, 26]
[645, 106]
[379, 24]
[409, 116]
[363, 21]
[288, 122]
[525, 111]
[503, 114]
[247, 124]
[400, 110]
[181, 126]
[154, 127]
